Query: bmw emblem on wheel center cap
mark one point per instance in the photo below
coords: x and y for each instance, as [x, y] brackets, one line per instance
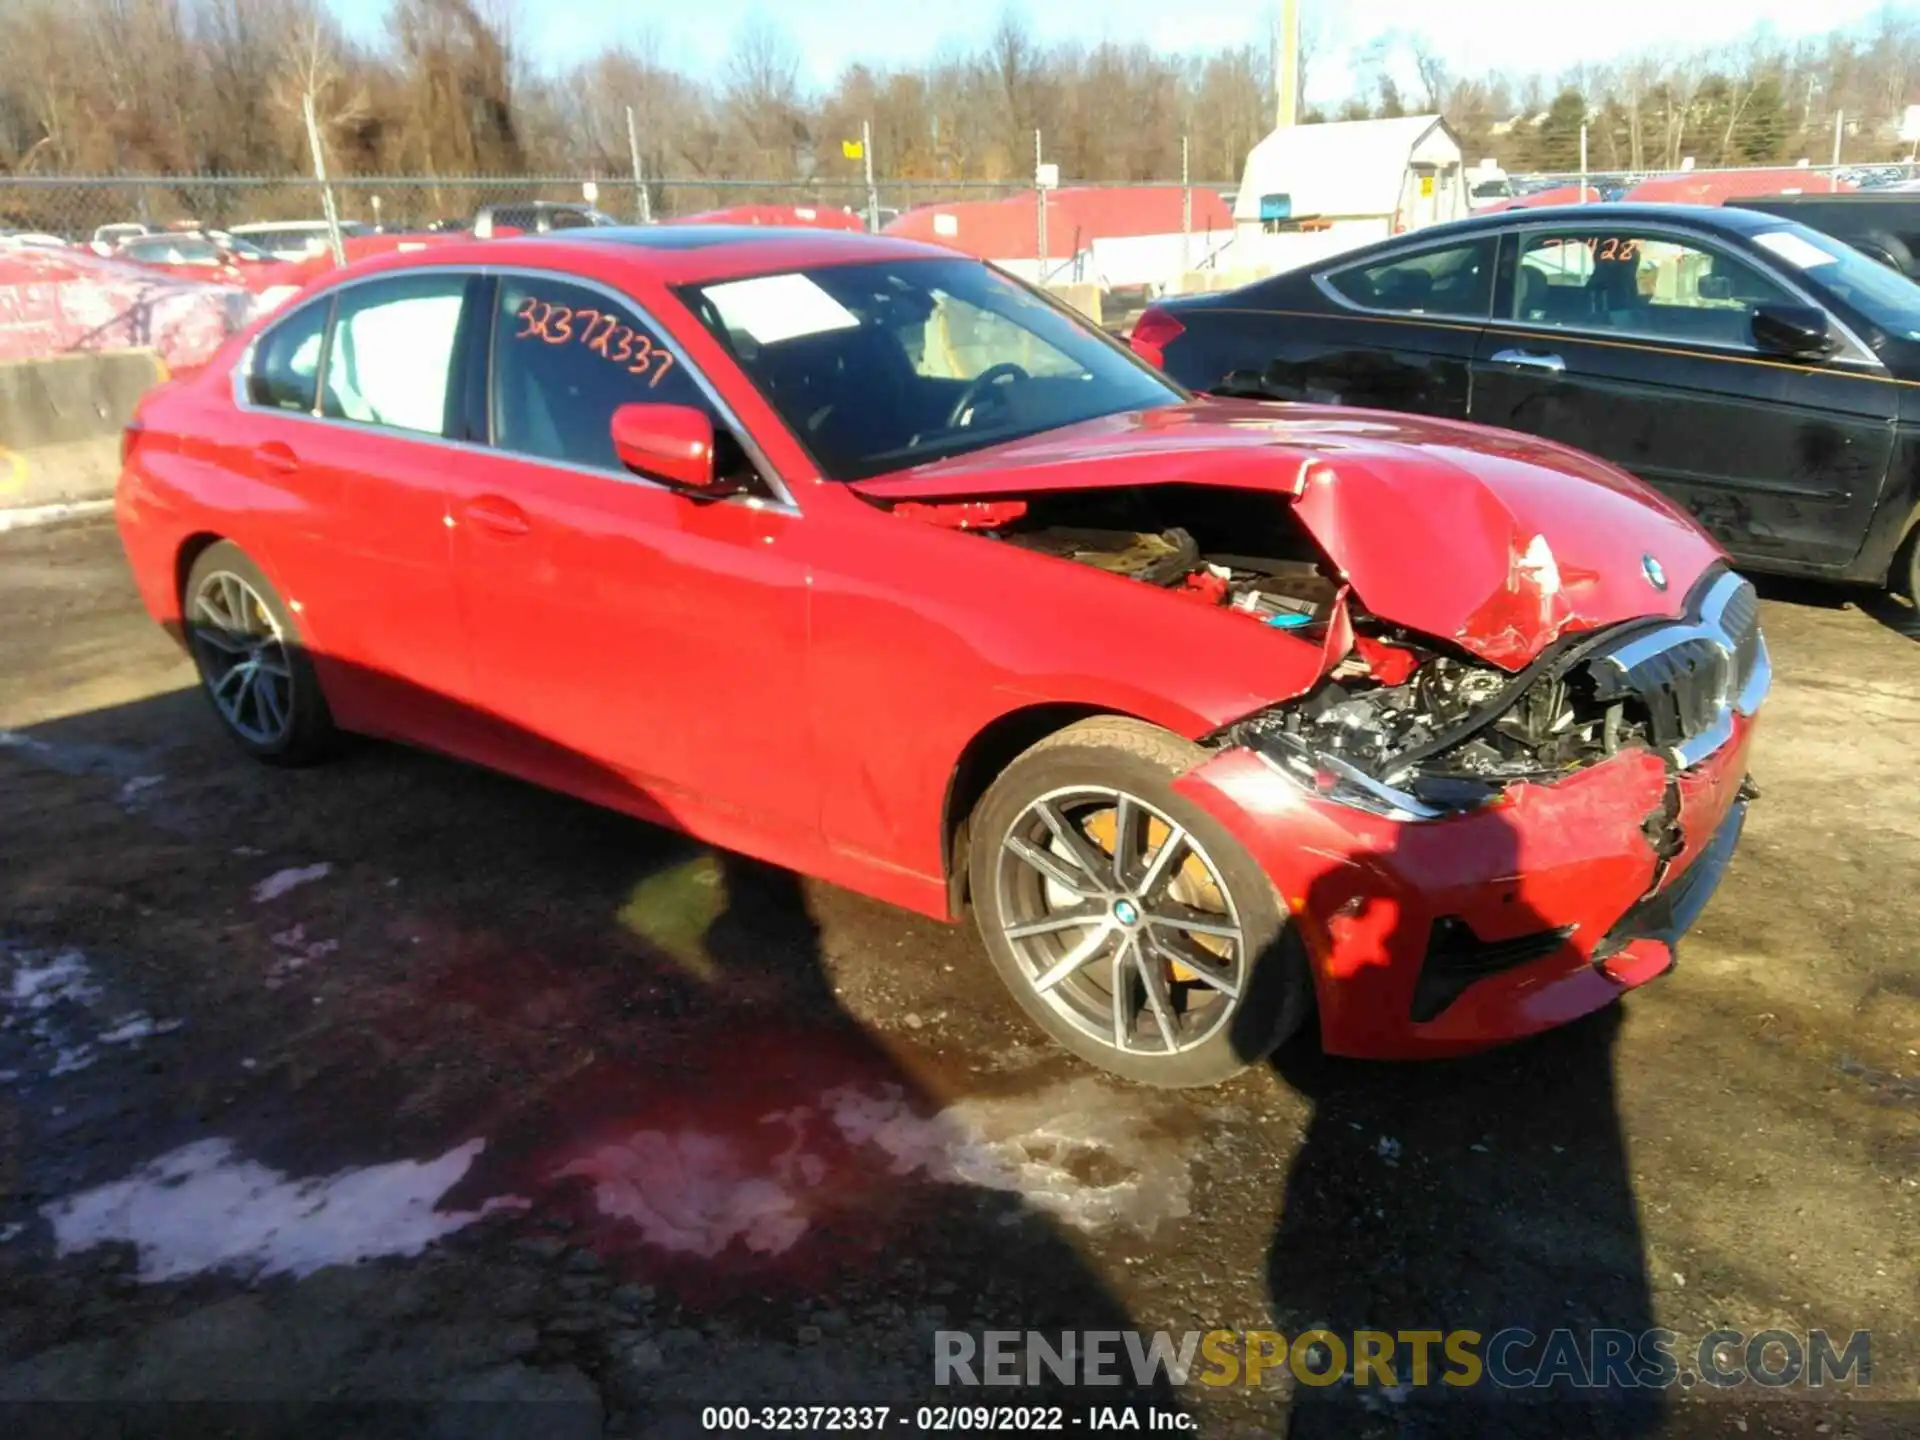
[1655, 573]
[1126, 912]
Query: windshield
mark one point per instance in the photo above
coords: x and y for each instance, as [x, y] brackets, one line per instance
[882, 366]
[245, 249]
[1880, 294]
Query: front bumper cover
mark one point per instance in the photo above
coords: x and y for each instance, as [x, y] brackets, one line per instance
[1606, 856]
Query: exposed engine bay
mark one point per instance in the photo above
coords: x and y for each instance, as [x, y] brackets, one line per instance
[1451, 735]
[1402, 723]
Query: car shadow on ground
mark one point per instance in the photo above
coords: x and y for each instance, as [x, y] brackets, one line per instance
[1895, 612]
[1488, 1194]
[675, 1165]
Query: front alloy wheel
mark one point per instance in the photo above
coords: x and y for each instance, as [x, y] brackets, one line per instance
[1120, 921]
[1126, 921]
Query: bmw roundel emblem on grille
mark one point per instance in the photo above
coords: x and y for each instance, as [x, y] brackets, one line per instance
[1654, 571]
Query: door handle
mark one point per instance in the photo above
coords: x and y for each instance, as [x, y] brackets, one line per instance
[496, 513]
[1530, 360]
[276, 457]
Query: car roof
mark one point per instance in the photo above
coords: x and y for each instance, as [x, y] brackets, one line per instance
[670, 254]
[1606, 212]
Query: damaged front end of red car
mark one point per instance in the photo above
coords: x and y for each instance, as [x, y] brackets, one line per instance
[1511, 774]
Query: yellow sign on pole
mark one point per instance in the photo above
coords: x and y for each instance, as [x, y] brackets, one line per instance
[1426, 185]
[852, 149]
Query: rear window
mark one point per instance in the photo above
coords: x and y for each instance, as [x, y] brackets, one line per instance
[1455, 280]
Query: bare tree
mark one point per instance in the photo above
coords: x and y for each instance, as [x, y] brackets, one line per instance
[760, 90]
[1435, 78]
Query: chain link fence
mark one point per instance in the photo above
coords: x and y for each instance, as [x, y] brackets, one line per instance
[1711, 179]
[74, 207]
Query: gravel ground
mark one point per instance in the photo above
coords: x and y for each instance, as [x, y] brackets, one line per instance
[467, 1109]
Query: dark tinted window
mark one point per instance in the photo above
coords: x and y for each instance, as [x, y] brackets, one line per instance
[391, 355]
[286, 360]
[1455, 280]
[564, 359]
[880, 366]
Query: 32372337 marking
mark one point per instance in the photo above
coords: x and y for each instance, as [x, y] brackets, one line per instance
[605, 335]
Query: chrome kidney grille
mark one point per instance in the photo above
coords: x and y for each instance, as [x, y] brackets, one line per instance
[1696, 675]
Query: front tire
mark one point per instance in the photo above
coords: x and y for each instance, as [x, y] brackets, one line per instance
[1904, 576]
[1127, 922]
[253, 669]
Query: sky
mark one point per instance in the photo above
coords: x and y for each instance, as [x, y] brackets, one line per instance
[1474, 36]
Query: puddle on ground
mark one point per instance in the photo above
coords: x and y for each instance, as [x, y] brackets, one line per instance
[204, 1208]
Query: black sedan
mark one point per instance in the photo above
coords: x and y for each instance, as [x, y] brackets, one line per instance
[1763, 375]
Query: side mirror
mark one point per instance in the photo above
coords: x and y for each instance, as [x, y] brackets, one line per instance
[670, 443]
[1797, 330]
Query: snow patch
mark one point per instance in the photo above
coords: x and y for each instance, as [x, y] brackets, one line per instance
[296, 953]
[45, 991]
[695, 1194]
[131, 792]
[1049, 1149]
[281, 881]
[1067, 1152]
[132, 1029]
[204, 1208]
[36, 988]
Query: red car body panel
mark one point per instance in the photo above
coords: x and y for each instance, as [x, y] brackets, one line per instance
[1469, 507]
[831, 669]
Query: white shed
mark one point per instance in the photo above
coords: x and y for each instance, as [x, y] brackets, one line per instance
[1391, 175]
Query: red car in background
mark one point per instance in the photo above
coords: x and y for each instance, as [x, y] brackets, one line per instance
[860, 557]
[197, 255]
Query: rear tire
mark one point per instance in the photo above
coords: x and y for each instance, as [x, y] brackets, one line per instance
[253, 669]
[1085, 911]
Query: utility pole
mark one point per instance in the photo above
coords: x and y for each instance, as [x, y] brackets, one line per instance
[1186, 205]
[1286, 64]
[1039, 212]
[873, 196]
[1839, 129]
[642, 206]
[320, 174]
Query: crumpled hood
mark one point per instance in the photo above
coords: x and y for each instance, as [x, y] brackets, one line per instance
[1496, 541]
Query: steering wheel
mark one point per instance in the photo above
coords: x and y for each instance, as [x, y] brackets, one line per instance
[978, 387]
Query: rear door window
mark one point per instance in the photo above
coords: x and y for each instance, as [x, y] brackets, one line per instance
[1455, 281]
[391, 354]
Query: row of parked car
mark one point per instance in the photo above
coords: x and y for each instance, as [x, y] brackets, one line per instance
[235, 252]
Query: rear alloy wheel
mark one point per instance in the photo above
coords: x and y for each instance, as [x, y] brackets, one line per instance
[1126, 921]
[254, 672]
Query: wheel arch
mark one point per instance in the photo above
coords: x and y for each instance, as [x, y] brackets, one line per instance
[190, 550]
[990, 751]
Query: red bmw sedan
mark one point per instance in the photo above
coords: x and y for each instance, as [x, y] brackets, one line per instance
[857, 556]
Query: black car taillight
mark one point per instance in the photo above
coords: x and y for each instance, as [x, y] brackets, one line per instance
[1153, 332]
